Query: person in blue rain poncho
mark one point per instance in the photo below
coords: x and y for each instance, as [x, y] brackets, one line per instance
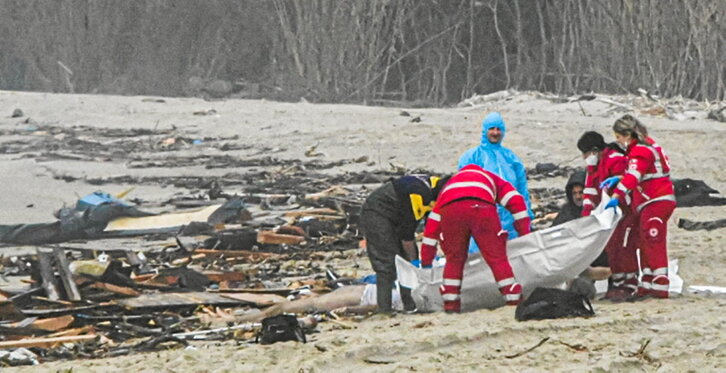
[494, 157]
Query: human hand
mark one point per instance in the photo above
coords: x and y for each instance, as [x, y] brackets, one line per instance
[609, 182]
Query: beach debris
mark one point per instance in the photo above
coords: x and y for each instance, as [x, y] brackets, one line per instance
[718, 114]
[17, 113]
[641, 354]
[550, 303]
[521, 353]
[691, 225]
[692, 192]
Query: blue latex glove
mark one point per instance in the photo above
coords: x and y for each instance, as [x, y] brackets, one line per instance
[609, 182]
[417, 263]
[612, 203]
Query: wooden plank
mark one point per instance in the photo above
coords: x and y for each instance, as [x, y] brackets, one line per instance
[237, 253]
[314, 211]
[54, 323]
[66, 275]
[129, 292]
[216, 276]
[161, 221]
[46, 342]
[163, 300]
[278, 291]
[67, 311]
[259, 300]
[45, 261]
[269, 237]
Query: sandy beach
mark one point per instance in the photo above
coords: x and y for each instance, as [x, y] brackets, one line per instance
[685, 333]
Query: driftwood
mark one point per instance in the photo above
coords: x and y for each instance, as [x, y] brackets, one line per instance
[47, 342]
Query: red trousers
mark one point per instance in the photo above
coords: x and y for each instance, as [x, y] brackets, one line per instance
[467, 218]
[622, 255]
[652, 231]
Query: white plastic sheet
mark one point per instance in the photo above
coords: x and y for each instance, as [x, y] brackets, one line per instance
[544, 258]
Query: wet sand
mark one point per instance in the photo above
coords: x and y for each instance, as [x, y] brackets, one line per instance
[684, 334]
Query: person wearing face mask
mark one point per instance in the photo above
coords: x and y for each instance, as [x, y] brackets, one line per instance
[493, 157]
[603, 161]
[647, 182]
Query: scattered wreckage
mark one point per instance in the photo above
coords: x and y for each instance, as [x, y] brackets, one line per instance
[195, 274]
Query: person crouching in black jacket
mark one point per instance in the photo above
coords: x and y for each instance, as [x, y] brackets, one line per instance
[388, 221]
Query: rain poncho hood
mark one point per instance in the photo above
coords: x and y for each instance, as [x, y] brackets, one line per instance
[501, 161]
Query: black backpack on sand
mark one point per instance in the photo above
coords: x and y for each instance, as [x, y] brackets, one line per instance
[546, 303]
[280, 328]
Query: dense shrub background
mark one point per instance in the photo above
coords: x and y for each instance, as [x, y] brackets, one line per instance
[373, 51]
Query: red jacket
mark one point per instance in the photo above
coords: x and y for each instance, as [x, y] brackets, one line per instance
[647, 177]
[611, 163]
[474, 182]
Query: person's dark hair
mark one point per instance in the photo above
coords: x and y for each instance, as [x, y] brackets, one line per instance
[629, 125]
[590, 141]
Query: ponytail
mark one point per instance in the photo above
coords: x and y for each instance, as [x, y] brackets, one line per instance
[629, 125]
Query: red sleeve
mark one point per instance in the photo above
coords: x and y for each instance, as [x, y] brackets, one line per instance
[508, 197]
[431, 237]
[591, 197]
[638, 163]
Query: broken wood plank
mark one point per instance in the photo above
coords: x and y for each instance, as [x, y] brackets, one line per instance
[54, 323]
[259, 300]
[48, 300]
[69, 310]
[163, 300]
[122, 290]
[46, 342]
[313, 211]
[216, 276]
[254, 255]
[279, 291]
[66, 275]
[45, 261]
[74, 331]
[270, 237]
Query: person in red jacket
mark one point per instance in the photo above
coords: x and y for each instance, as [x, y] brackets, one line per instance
[466, 207]
[603, 161]
[647, 181]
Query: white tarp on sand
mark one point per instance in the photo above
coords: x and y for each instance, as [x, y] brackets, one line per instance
[544, 258]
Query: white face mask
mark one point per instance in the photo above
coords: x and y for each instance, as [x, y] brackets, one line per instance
[591, 160]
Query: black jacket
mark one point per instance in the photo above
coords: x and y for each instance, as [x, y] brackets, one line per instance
[404, 202]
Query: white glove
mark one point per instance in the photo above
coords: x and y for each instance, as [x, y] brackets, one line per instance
[591, 160]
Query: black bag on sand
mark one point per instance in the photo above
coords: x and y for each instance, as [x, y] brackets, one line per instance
[280, 328]
[546, 303]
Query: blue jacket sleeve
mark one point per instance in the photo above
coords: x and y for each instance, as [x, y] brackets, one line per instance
[521, 184]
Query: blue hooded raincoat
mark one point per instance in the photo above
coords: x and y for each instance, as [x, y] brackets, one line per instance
[503, 162]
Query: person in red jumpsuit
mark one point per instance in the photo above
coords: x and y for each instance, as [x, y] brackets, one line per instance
[603, 161]
[647, 181]
[467, 207]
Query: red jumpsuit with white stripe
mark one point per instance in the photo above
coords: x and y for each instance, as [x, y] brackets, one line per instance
[466, 208]
[653, 200]
[621, 248]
